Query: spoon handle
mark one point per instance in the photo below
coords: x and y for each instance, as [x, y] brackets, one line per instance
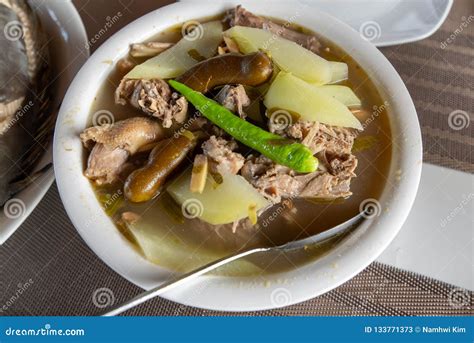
[164, 287]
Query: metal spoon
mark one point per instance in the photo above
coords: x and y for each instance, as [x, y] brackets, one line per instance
[183, 279]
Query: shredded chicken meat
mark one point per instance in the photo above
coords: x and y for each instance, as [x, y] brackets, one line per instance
[239, 16]
[332, 146]
[318, 137]
[234, 98]
[154, 97]
[221, 155]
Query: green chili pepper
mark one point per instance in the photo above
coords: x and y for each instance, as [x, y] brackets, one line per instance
[279, 149]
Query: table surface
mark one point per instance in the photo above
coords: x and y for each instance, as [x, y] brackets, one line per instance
[46, 269]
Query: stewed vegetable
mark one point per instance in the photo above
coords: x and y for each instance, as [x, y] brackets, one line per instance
[202, 43]
[288, 55]
[310, 102]
[220, 203]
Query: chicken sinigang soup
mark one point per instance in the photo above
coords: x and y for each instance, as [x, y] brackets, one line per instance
[235, 132]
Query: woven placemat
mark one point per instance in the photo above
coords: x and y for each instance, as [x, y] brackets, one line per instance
[46, 268]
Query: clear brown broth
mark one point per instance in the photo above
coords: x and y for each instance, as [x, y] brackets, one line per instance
[200, 242]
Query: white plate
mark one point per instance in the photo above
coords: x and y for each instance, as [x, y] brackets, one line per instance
[437, 240]
[239, 293]
[63, 25]
[383, 22]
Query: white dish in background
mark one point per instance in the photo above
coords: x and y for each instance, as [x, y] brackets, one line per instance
[383, 22]
[69, 51]
[437, 238]
[238, 293]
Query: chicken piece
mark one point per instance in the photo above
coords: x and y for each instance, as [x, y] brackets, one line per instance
[331, 145]
[221, 157]
[113, 144]
[276, 181]
[239, 16]
[234, 98]
[318, 137]
[154, 97]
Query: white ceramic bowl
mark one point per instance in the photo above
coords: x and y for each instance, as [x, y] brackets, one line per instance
[240, 293]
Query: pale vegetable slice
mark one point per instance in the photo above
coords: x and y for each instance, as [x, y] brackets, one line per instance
[288, 55]
[194, 46]
[341, 93]
[339, 72]
[160, 247]
[293, 94]
[221, 203]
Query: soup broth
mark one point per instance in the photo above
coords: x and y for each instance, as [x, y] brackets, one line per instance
[181, 244]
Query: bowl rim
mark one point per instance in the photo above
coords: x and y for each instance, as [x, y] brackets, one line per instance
[240, 293]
